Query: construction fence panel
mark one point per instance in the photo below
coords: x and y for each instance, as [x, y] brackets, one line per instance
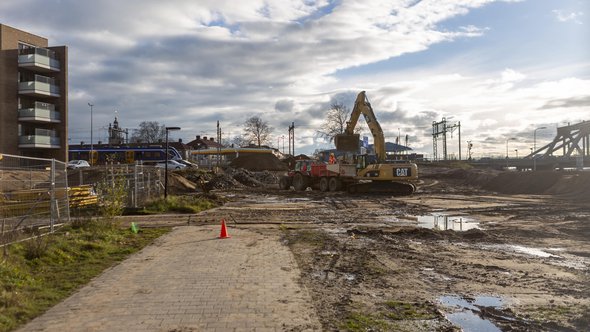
[33, 195]
[142, 183]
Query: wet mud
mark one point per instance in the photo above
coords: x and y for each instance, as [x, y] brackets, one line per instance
[447, 258]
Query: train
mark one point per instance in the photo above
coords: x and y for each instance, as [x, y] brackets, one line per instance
[124, 154]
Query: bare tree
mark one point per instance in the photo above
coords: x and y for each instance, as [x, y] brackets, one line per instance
[149, 132]
[335, 122]
[257, 130]
[236, 141]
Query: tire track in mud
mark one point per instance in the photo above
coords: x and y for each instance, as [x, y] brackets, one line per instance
[354, 262]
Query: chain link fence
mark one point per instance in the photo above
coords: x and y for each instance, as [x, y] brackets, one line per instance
[142, 183]
[33, 196]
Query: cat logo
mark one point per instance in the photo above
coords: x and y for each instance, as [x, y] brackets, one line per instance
[402, 171]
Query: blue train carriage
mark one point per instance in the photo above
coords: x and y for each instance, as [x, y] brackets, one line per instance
[102, 154]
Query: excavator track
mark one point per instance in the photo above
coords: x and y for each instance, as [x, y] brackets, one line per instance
[384, 187]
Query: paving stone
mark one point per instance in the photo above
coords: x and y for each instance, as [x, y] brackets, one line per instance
[189, 280]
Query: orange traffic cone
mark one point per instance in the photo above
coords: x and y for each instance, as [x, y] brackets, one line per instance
[223, 234]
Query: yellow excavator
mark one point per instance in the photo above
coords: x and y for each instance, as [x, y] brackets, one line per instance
[396, 177]
[354, 172]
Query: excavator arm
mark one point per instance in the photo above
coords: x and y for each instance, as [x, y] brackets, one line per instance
[349, 141]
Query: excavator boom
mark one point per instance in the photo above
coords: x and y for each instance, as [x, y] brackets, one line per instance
[349, 141]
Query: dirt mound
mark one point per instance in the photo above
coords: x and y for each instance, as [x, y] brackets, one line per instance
[575, 185]
[462, 176]
[21, 180]
[244, 177]
[418, 233]
[523, 182]
[261, 162]
[572, 184]
[474, 234]
[232, 178]
[222, 181]
[178, 183]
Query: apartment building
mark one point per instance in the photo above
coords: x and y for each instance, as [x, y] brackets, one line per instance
[33, 96]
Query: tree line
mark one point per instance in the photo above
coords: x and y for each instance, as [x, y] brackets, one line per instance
[256, 131]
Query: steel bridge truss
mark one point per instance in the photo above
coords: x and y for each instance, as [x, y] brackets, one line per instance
[571, 139]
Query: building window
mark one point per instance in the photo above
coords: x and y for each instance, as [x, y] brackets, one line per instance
[24, 46]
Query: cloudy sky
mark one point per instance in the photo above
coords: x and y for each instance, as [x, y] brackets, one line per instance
[502, 68]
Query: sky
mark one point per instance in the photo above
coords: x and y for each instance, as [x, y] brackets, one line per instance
[500, 68]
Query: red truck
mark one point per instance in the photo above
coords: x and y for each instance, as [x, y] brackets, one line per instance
[319, 175]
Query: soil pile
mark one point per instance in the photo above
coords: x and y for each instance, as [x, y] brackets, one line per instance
[221, 181]
[261, 162]
[179, 184]
[231, 178]
[22, 180]
[523, 182]
[575, 185]
[244, 177]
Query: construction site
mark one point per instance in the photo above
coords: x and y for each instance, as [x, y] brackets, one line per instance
[472, 249]
[383, 245]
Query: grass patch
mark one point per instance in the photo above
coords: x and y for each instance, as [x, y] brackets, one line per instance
[37, 274]
[364, 322]
[575, 315]
[179, 204]
[397, 310]
[392, 316]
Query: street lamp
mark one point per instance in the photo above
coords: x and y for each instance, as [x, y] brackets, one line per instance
[508, 139]
[535, 147]
[516, 151]
[166, 165]
[91, 144]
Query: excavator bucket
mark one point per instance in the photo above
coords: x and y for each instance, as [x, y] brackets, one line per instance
[346, 142]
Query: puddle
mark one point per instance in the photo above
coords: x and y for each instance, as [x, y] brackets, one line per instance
[335, 230]
[467, 313]
[522, 250]
[444, 222]
[330, 275]
[298, 199]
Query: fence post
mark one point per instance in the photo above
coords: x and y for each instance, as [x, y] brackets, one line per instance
[135, 189]
[52, 194]
[149, 185]
[67, 188]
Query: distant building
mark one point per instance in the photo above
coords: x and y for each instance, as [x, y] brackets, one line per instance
[204, 151]
[116, 134]
[203, 143]
[33, 96]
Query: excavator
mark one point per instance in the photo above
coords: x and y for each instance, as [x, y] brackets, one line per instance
[398, 177]
[355, 172]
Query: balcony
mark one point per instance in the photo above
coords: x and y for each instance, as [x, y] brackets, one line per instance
[40, 86]
[39, 141]
[38, 59]
[39, 112]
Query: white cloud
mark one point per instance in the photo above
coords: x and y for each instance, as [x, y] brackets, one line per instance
[511, 75]
[567, 16]
[202, 61]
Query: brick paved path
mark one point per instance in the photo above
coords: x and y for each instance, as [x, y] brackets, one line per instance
[191, 281]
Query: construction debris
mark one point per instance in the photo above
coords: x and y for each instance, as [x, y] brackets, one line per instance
[262, 162]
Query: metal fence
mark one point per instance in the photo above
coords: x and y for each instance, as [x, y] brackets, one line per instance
[142, 183]
[33, 195]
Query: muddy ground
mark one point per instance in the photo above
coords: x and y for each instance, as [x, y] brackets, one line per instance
[382, 263]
